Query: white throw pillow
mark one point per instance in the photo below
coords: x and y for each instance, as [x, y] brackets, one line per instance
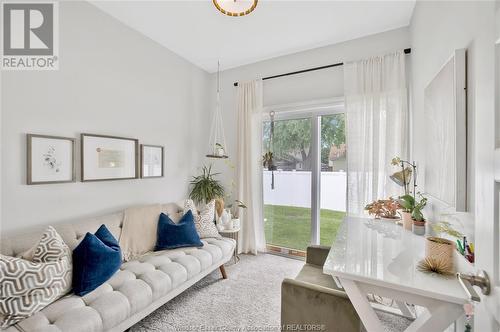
[203, 220]
[29, 286]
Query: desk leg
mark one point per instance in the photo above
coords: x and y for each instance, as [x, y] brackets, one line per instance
[405, 311]
[442, 316]
[363, 308]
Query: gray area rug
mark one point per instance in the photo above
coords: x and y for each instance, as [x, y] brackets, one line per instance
[249, 300]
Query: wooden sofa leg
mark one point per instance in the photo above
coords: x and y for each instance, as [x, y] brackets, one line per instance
[223, 271]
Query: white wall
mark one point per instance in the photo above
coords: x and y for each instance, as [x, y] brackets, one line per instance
[437, 29]
[112, 80]
[320, 84]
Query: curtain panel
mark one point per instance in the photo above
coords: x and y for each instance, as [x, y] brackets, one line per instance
[376, 103]
[249, 166]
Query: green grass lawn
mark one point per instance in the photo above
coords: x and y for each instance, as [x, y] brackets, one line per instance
[290, 227]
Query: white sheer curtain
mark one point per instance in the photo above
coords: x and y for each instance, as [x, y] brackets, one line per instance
[376, 101]
[249, 168]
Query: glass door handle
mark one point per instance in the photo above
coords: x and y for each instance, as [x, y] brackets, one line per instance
[481, 280]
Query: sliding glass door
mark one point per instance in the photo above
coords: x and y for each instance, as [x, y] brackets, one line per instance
[333, 180]
[287, 206]
[304, 197]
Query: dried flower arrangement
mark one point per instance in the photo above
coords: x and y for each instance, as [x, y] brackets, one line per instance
[384, 208]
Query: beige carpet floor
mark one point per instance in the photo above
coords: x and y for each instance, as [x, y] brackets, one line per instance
[249, 300]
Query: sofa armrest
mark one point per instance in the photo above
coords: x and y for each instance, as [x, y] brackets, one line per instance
[316, 255]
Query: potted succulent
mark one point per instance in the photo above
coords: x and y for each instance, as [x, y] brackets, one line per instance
[417, 215]
[407, 202]
[384, 209]
[205, 187]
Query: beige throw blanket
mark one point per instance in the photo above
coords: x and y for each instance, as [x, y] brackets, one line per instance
[139, 230]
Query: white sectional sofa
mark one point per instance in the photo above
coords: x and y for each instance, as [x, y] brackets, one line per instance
[136, 290]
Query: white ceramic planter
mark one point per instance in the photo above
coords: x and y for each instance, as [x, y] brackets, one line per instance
[407, 221]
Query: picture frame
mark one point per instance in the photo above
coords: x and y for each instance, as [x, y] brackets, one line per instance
[106, 158]
[50, 159]
[152, 161]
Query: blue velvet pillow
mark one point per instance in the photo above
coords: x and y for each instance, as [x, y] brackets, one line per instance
[95, 260]
[171, 235]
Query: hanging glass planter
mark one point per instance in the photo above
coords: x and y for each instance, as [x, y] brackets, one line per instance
[217, 142]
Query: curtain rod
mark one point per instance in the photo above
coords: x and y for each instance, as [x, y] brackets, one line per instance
[406, 50]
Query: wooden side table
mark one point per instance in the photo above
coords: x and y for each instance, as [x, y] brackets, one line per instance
[232, 234]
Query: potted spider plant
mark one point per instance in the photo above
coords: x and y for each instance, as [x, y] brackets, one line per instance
[205, 187]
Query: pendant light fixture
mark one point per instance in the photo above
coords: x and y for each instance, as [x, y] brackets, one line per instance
[217, 141]
[235, 7]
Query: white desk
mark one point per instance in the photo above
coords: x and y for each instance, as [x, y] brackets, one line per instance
[380, 257]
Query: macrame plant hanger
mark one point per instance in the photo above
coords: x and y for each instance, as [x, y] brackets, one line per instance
[217, 141]
[268, 157]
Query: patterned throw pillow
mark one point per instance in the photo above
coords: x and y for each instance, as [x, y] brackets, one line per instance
[29, 286]
[204, 220]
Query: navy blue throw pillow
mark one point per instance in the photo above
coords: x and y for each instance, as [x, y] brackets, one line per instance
[95, 260]
[171, 235]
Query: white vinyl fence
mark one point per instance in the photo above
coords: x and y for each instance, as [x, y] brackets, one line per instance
[293, 188]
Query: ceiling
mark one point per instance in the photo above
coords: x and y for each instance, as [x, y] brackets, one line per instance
[196, 31]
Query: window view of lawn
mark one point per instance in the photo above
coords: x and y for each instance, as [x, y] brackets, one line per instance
[290, 227]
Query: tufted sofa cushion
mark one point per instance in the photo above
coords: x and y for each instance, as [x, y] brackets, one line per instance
[137, 289]
[133, 292]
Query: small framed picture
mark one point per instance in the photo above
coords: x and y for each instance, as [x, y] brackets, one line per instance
[152, 159]
[109, 158]
[50, 159]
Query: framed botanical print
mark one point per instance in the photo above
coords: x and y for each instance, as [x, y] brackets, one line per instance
[109, 158]
[50, 159]
[152, 159]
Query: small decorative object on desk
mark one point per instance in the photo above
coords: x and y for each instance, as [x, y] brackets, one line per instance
[440, 249]
[384, 209]
[434, 265]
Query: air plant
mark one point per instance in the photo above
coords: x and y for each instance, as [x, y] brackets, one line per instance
[435, 265]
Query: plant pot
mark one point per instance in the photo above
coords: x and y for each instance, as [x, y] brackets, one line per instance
[236, 223]
[418, 227]
[394, 220]
[229, 225]
[440, 249]
[407, 221]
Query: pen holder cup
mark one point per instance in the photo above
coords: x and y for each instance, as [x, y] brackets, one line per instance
[440, 249]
